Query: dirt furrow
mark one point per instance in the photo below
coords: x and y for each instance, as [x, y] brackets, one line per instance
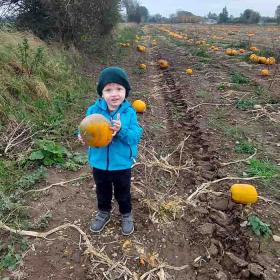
[184, 122]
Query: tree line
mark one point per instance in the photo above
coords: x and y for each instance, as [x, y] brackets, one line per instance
[84, 22]
[249, 16]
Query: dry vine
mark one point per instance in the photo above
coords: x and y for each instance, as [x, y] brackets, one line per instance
[60, 183]
[241, 160]
[18, 133]
[163, 162]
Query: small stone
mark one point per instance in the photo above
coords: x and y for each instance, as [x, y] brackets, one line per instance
[221, 276]
[114, 255]
[255, 269]
[237, 261]
[219, 218]
[206, 229]
[221, 232]
[276, 238]
[244, 224]
[245, 273]
[220, 204]
[257, 106]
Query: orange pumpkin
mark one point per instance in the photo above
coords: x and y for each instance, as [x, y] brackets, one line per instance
[254, 49]
[252, 57]
[95, 130]
[143, 66]
[244, 193]
[141, 48]
[163, 64]
[256, 59]
[271, 60]
[139, 106]
[228, 51]
[262, 59]
[264, 72]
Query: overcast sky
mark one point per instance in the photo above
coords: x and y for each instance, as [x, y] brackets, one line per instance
[202, 7]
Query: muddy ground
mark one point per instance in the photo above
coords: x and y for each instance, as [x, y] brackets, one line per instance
[179, 234]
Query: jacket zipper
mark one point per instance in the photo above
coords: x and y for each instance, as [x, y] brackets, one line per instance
[107, 167]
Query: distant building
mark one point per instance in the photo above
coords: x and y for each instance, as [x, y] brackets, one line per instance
[210, 21]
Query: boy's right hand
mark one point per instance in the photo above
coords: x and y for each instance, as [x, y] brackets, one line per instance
[81, 140]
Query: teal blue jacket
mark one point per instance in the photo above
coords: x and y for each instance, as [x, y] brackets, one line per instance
[122, 151]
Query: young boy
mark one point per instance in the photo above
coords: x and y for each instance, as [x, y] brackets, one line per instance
[112, 164]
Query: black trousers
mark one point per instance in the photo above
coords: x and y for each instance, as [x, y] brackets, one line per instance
[105, 181]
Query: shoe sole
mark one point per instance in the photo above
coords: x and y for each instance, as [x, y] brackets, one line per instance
[98, 231]
[129, 232]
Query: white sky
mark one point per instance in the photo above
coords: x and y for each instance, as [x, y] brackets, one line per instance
[203, 7]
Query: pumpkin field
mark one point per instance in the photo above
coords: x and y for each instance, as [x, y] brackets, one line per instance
[205, 186]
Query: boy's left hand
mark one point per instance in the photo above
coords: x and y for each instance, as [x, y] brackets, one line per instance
[116, 125]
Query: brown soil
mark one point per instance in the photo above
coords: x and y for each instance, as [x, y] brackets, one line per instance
[204, 234]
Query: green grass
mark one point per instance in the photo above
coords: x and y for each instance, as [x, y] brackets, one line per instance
[221, 87]
[244, 147]
[201, 52]
[245, 57]
[237, 45]
[267, 52]
[198, 66]
[245, 104]
[124, 35]
[263, 168]
[238, 78]
[127, 34]
[218, 119]
[12, 254]
[49, 97]
[263, 96]
[260, 91]
[207, 96]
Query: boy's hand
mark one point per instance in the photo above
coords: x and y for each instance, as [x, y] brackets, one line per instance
[116, 125]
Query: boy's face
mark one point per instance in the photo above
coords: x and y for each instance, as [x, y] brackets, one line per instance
[114, 95]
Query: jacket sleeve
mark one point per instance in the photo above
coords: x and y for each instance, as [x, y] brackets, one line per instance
[131, 135]
[91, 110]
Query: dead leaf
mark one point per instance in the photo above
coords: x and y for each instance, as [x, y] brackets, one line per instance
[127, 244]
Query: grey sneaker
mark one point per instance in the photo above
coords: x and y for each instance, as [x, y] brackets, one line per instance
[127, 224]
[101, 220]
